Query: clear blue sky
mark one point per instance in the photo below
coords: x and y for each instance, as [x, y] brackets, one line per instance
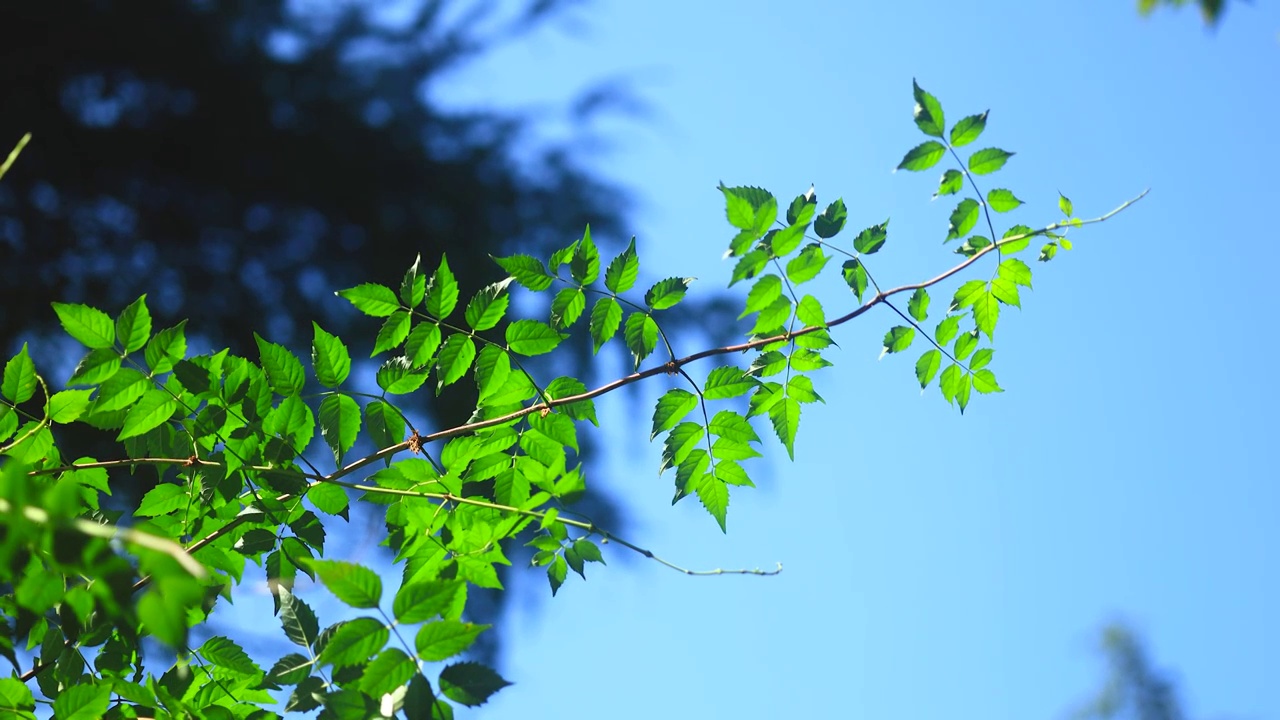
[940, 566]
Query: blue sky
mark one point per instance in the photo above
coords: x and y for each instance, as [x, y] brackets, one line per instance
[939, 565]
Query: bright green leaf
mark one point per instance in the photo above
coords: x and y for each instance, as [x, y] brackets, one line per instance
[898, 338]
[927, 367]
[666, 293]
[806, 266]
[623, 270]
[284, 370]
[488, 306]
[923, 156]
[984, 162]
[606, 317]
[872, 239]
[527, 270]
[92, 327]
[928, 112]
[355, 585]
[918, 305]
[442, 291]
[1002, 200]
[671, 409]
[855, 276]
[641, 334]
[339, 423]
[567, 307]
[952, 182]
[963, 218]
[19, 383]
[372, 299]
[531, 337]
[155, 407]
[133, 327]
[968, 129]
[456, 355]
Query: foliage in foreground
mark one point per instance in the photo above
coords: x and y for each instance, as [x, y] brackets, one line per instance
[246, 490]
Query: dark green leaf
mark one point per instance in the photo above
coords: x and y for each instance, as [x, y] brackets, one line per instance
[386, 426]
[923, 156]
[831, 221]
[298, 619]
[414, 285]
[801, 210]
[855, 276]
[455, 359]
[972, 246]
[470, 683]
[339, 424]
[928, 112]
[284, 370]
[641, 334]
[872, 239]
[951, 183]
[671, 409]
[372, 299]
[984, 162]
[585, 265]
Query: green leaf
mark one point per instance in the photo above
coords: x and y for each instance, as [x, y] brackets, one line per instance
[284, 370]
[831, 221]
[981, 359]
[298, 619]
[805, 360]
[386, 426]
[372, 299]
[713, 493]
[85, 701]
[166, 348]
[731, 425]
[984, 381]
[806, 266]
[927, 367]
[855, 276]
[531, 337]
[967, 294]
[225, 653]
[1006, 291]
[92, 327]
[68, 405]
[968, 129]
[800, 387]
[809, 311]
[8, 422]
[928, 112]
[442, 291]
[641, 334]
[1002, 200]
[727, 382]
[1016, 271]
[385, 674]
[339, 423]
[763, 292]
[768, 363]
[567, 307]
[985, 162]
[422, 343]
[741, 205]
[354, 642]
[898, 339]
[488, 306]
[952, 182]
[585, 265]
[121, 390]
[353, 584]
[162, 500]
[329, 358]
[963, 218]
[946, 329]
[923, 156]
[749, 266]
[774, 316]
[392, 333]
[872, 239]
[965, 343]
[329, 498]
[424, 599]
[671, 409]
[918, 305]
[133, 327]
[455, 359]
[950, 382]
[19, 383]
[527, 270]
[972, 246]
[986, 312]
[785, 416]
[493, 367]
[1048, 252]
[16, 698]
[801, 210]
[470, 683]
[784, 242]
[962, 392]
[766, 214]
[398, 376]
[99, 365]
[1064, 204]
[606, 317]
[666, 293]
[679, 443]
[155, 407]
[442, 639]
[1013, 246]
[623, 270]
[414, 285]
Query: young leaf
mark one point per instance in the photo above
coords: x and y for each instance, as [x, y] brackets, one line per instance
[99, 365]
[855, 275]
[442, 291]
[392, 333]
[872, 239]
[531, 337]
[455, 359]
[965, 343]
[738, 209]
[1002, 200]
[831, 221]
[763, 292]
[986, 312]
[968, 129]
[133, 327]
[972, 246]
[918, 305]
[623, 270]
[1022, 232]
[981, 359]
[963, 218]
[928, 112]
[946, 329]
[671, 409]
[1006, 291]
[526, 270]
[1016, 271]
[984, 381]
[606, 316]
[949, 383]
[641, 334]
[951, 183]
[92, 327]
[371, 299]
[927, 367]
[68, 405]
[19, 378]
[923, 156]
[774, 316]
[1064, 204]
[967, 294]
[785, 416]
[714, 496]
[666, 293]
[487, 306]
[414, 285]
[339, 423]
[985, 162]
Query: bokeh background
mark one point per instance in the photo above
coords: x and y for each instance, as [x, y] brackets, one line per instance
[238, 161]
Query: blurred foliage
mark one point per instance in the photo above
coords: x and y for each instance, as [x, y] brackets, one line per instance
[1133, 687]
[1211, 10]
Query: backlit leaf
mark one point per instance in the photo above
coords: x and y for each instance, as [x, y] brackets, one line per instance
[923, 156]
[442, 291]
[371, 299]
[623, 270]
[92, 327]
[928, 112]
[968, 129]
[987, 161]
[531, 337]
